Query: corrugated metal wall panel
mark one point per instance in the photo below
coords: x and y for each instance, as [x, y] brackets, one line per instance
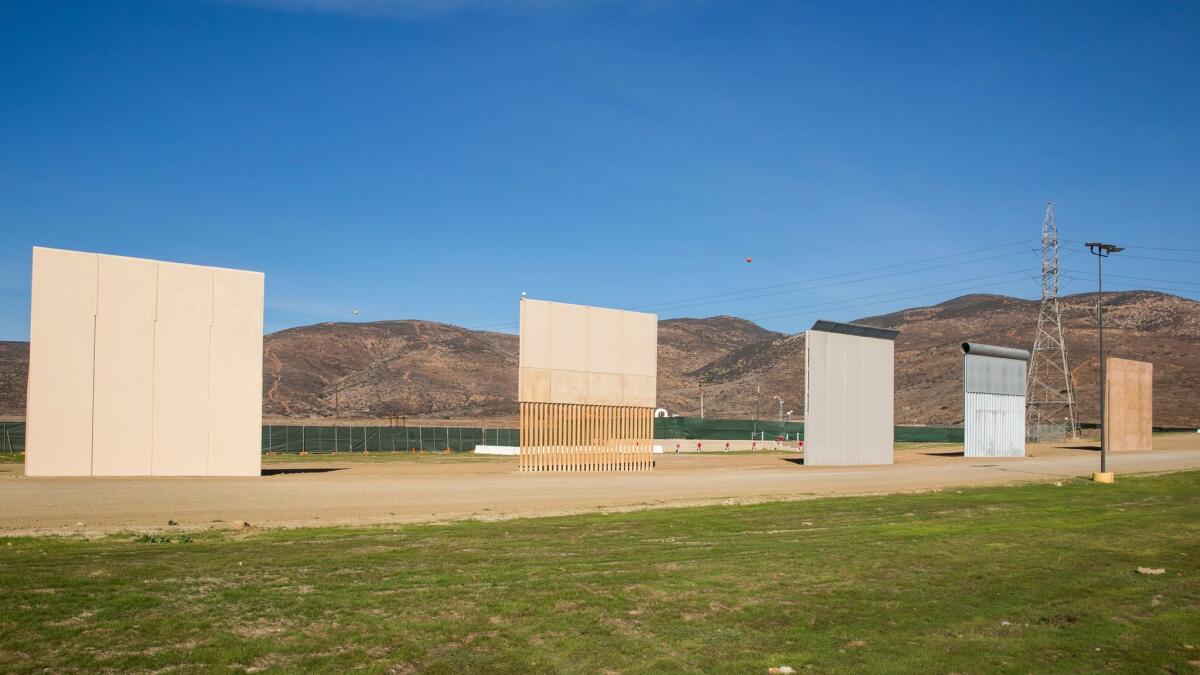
[991, 375]
[994, 425]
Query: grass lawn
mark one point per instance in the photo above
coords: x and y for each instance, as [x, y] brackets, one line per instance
[12, 458]
[1035, 578]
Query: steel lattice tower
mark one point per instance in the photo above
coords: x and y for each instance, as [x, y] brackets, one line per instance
[1050, 397]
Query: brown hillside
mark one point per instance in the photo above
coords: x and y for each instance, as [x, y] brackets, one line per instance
[425, 369]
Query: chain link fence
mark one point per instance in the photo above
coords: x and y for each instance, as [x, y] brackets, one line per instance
[12, 437]
[316, 439]
[319, 439]
[696, 428]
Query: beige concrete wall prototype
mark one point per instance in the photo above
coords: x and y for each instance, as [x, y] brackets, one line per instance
[1128, 404]
[587, 387]
[122, 425]
[62, 326]
[172, 352]
[849, 392]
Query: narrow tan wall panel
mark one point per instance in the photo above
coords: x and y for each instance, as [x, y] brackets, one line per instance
[1128, 405]
[122, 435]
[639, 344]
[603, 346]
[62, 324]
[182, 356]
[235, 412]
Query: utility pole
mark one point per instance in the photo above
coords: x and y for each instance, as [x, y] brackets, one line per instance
[780, 409]
[757, 392]
[1050, 396]
[1102, 251]
[336, 414]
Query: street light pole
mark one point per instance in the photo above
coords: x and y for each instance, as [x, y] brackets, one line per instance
[1102, 251]
[780, 409]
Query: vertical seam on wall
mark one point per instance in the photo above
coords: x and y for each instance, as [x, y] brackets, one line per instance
[212, 297]
[92, 429]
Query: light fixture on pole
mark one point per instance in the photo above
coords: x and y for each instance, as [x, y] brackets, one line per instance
[1102, 251]
[780, 409]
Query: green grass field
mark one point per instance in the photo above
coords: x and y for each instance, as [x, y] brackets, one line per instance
[1035, 578]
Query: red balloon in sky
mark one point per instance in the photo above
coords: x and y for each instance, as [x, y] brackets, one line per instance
[748, 259]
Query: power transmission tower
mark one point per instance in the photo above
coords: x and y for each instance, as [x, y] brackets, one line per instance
[1050, 397]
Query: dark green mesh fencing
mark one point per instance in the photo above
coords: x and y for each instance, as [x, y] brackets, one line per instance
[12, 437]
[929, 434]
[725, 430]
[736, 430]
[279, 438]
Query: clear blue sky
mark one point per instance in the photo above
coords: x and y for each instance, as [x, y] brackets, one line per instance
[433, 160]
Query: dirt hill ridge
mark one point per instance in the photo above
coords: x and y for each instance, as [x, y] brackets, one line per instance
[434, 370]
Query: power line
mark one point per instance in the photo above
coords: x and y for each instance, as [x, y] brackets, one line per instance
[909, 297]
[832, 276]
[1126, 276]
[1177, 260]
[1140, 287]
[750, 293]
[1149, 248]
[1025, 273]
[844, 283]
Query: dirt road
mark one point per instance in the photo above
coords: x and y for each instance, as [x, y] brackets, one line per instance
[352, 492]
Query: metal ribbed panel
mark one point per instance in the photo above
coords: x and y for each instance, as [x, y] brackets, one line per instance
[994, 425]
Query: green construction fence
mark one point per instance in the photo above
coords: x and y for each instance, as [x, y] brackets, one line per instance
[281, 438]
[711, 429]
[289, 438]
[697, 428]
[12, 437]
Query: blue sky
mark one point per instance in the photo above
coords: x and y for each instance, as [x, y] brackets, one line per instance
[434, 160]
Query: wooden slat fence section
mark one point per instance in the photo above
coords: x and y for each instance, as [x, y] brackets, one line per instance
[577, 437]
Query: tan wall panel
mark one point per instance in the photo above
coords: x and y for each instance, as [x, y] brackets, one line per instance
[568, 386]
[639, 344]
[568, 337]
[58, 411]
[235, 382]
[605, 389]
[181, 370]
[604, 343]
[122, 437]
[639, 391]
[1128, 405]
[534, 385]
[849, 400]
[590, 341]
[535, 349]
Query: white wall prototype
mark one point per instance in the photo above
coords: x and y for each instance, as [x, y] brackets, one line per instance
[849, 390]
[994, 400]
[142, 367]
